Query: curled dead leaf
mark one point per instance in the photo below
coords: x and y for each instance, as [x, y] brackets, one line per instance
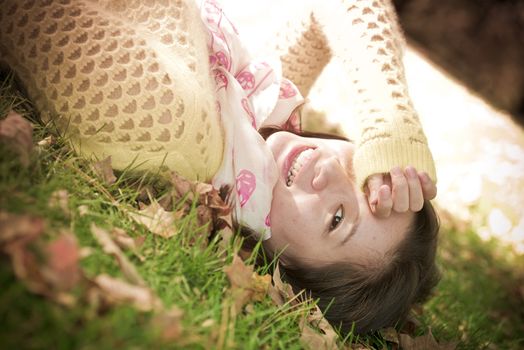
[104, 169]
[324, 338]
[17, 133]
[109, 246]
[111, 291]
[246, 284]
[182, 186]
[157, 220]
[281, 292]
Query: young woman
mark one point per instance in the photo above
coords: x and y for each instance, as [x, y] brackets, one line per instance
[169, 83]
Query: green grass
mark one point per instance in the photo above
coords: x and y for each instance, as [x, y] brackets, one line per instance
[476, 303]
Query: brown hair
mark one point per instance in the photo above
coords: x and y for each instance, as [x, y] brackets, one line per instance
[367, 298]
[380, 296]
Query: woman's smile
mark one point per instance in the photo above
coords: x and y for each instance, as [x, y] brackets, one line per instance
[295, 161]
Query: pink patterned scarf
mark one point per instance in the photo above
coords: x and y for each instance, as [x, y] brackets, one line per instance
[251, 94]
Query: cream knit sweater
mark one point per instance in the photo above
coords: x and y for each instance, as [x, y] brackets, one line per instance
[122, 78]
[130, 79]
[365, 34]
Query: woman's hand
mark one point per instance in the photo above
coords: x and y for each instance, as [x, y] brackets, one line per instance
[399, 191]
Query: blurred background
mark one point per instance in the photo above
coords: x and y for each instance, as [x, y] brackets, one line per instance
[465, 71]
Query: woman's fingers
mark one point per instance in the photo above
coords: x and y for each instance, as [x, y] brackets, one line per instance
[429, 189]
[400, 190]
[373, 184]
[416, 197]
[385, 202]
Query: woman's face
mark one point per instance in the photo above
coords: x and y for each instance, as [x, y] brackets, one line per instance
[318, 215]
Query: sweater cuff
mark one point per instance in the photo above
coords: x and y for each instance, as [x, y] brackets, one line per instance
[381, 156]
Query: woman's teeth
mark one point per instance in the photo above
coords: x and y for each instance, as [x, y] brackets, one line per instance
[297, 164]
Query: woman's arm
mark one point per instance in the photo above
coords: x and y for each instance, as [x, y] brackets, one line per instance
[365, 35]
[304, 52]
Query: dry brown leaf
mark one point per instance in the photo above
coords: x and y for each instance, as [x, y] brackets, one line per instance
[314, 340]
[204, 217]
[124, 241]
[281, 292]
[182, 186]
[110, 247]
[15, 227]
[157, 220]
[49, 269]
[169, 323]
[17, 133]
[104, 169]
[328, 334]
[59, 199]
[246, 285]
[424, 342]
[61, 269]
[112, 291]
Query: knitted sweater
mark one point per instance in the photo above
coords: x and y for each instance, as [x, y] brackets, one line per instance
[130, 79]
[126, 78]
[365, 34]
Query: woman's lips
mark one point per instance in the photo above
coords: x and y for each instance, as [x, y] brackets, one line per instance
[288, 162]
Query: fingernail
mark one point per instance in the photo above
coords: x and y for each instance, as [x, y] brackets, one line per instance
[396, 171]
[373, 197]
[425, 177]
[411, 172]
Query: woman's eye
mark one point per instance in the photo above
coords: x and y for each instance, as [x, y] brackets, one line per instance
[337, 218]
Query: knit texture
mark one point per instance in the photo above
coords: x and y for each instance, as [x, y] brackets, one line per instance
[365, 35]
[308, 54]
[127, 79]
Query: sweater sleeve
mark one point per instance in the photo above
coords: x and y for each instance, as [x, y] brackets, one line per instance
[304, 52]
[366, 36]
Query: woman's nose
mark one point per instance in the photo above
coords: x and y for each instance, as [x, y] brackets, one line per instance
[326, 171]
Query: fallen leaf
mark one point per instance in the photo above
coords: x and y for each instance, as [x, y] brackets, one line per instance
[112, 291]
[17, 133]
[110, 247]
[157, 220]
[281, 292]
[425, 342]
[49, 269]
[19, 227]
[390, 334]
[104, 169]
[62, 269]
[314, 340]
[59, 199]
[124, 241]
[168, 324]
[182, 186]
[246, 285]
[204, 217]
[327, 334]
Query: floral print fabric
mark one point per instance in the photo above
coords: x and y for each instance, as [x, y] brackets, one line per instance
[251, 94]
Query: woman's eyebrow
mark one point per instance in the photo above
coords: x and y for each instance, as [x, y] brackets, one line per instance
[351, 232]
